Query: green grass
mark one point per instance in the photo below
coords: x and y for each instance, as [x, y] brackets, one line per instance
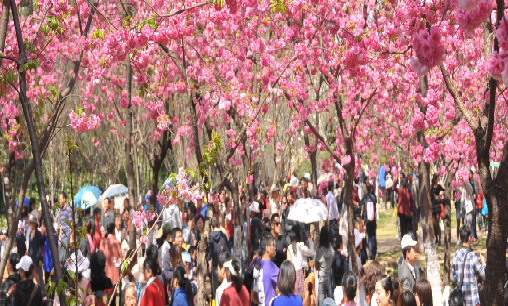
[386, 228]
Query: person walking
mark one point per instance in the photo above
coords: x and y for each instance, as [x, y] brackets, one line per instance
[183, 289]
[280, 241]
[218, 244]
[369, 202]
[236, 294]
[297, 254]
[100, 285]
[407, 274]
[467, 268]
[154, 290]
[268, 273]
[405, 207]
[10, 281]
[323, 263]
[333, 210]
[436, 192]
[112, 250]
[35, 244]
[65, 217]
[224, 283]
[350, 287]
[286, 287]
[26, 292]
[109, 214]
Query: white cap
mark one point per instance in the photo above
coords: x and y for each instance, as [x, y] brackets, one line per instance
[24, 263]
[358, 237]
[254, 207]
[407, 241]
[33, 219]
[307, 176]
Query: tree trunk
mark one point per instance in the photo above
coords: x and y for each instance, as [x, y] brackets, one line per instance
[8, 190]
[313, 161]
[155, 182]
[4, 21]
[202, 268]
[35, 148]
[447, 229]
[129, 162]
[429, 240]
[348, 201]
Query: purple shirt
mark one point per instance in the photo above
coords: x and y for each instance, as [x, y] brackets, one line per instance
[270, 276]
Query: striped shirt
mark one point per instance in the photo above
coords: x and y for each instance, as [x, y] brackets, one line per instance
[65, 219]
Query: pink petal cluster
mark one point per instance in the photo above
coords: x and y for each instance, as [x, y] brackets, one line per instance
[496, 65]
[428, 48]
[431, 153]
[249, 179]
[418, 121]
[345, 160]
[407, 130]
[280, 148]
[432, 115]
[81, 123]
[467, 4]
[469, 20]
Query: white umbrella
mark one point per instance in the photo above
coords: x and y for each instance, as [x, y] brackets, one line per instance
[308, 211]
[88, 200]
[115, 190]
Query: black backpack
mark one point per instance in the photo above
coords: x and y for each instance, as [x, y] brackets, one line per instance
[456, 298]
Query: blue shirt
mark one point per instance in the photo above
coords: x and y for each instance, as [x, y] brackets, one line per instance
[65, 218]
[270, 277]
[180, 298]
[204, 210]
[26, 202]
[292, 300]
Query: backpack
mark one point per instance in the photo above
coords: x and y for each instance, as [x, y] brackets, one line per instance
[371, 212]
[485, 209]
[257, 295]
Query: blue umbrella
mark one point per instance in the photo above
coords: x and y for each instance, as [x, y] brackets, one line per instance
[79, 196]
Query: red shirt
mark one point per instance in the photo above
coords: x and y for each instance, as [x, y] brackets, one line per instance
[154, 294]
[232, 298]
[97, 234]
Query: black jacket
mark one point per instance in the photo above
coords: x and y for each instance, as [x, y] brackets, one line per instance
[256, 230]
[218, 245]
[23, 292]
[35, 246]
[339, 267]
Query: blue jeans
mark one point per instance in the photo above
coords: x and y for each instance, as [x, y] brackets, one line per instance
[372, 240]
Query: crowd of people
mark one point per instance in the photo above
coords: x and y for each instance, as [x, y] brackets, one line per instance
[281, 262]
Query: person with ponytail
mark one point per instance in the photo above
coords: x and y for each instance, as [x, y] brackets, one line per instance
[154, 290]
[183, 289]
[237, 294]
[387, 290]
[349, 286]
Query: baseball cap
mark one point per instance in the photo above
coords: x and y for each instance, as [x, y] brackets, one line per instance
[164, 231]
[407, 241]
[24, 263]
[254, 207]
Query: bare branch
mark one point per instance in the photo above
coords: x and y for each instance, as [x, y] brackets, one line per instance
[457, 98]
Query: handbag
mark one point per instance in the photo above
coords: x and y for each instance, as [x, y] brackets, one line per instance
[442, 215]
[456, 298]
[479, 201]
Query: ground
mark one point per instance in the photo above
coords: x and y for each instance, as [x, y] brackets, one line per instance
[389, 249]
